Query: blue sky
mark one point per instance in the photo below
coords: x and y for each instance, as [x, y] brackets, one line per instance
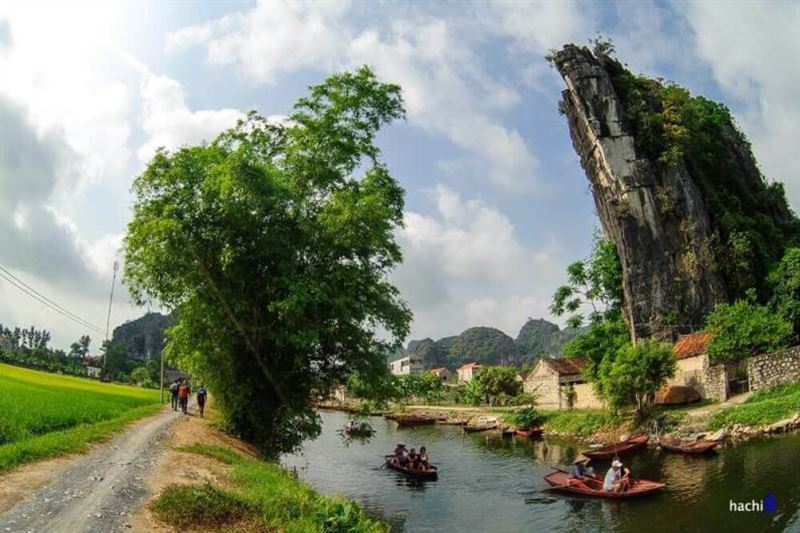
[497, 204]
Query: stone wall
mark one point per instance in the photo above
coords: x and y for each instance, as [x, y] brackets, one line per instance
[715, 383]
[542, 383]
[585, 397]
[770, 369]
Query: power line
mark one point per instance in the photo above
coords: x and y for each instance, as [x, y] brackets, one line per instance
[36, 295]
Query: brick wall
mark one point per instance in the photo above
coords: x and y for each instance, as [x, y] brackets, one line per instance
[770, 369]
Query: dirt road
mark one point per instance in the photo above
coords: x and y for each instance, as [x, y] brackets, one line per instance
[97, 492]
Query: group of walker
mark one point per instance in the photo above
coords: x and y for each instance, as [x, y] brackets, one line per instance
[180, 390]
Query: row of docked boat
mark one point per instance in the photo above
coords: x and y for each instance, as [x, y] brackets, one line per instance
[638, 442]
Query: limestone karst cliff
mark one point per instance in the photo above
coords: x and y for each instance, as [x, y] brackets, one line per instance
[677, 190]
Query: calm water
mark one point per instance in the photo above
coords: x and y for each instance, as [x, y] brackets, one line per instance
[488, 483]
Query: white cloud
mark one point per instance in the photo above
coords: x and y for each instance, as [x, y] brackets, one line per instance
[170, 123]
[446, 90]
[752, 51]
[465, 266]
[539, 26]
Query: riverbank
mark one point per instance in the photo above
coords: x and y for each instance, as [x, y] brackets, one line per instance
[209, 480]
[775, 410]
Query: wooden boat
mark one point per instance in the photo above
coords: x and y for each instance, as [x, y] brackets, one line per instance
[561, 482]
[622, 448]
[360, 430]
[450, 422]
[483, 427]
[687, 446]
[431, 473]
[531, 433]
[414, 420]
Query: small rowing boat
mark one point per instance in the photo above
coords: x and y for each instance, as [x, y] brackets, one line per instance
[430, 473]
[561, 482]
[414, 420]
[621, 448]
[687, 446]
[532, 433]
[483, 427]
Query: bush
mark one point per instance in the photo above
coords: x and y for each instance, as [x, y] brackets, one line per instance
[527, 417]
[634, 375]
[203, 506]
[745, 328]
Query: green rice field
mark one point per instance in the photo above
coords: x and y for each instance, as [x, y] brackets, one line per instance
[45, 415]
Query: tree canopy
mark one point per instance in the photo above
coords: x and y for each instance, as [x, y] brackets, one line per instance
[274, 241]
[745, 328]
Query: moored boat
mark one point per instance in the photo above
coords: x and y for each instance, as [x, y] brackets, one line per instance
[414, 420]
[621, 448]
[561, 482]
[531, 433]
[430, 473]
[687, 446]
[482, 427]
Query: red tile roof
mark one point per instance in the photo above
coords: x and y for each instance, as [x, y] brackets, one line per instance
[691, 345]
[567, 366]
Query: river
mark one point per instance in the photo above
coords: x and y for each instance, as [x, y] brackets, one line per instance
[494, 484]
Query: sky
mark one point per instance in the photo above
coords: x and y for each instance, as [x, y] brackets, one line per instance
[497, 204]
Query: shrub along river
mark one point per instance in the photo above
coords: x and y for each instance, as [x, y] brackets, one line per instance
[494, 484]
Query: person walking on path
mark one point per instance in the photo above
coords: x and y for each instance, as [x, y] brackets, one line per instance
[201, 399]
[183, 395]
[173, 390]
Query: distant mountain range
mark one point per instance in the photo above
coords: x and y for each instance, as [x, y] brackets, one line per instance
[490, 346]
[144, 337]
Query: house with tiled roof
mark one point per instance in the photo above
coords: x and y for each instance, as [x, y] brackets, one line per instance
[559, 383]
[468, 371]
[695, 369]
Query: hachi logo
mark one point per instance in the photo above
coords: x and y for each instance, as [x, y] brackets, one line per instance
[767, 505]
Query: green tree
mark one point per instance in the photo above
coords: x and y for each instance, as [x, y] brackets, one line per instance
[275, 243]
[141, 376]
[596, 282]
[785, 283]
[115, 359]
[603, 340]
[745, 328]
[426, 386]
[498, 383]
[633, 376]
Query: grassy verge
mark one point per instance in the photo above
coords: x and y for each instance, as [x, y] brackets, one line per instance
[73, 440]
[763, 407]
[265, 497]
[578, 423]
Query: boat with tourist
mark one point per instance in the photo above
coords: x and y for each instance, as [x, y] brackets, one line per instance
[560, 481]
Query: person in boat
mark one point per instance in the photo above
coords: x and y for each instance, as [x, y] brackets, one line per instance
[580, 469]
[423, 458]
[400, 457]
[625, 480]
[413, 459]
[613, 481]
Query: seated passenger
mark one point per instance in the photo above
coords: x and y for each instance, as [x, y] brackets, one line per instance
[613, 480]
[400, 455]
[580, 470]
[423, 458]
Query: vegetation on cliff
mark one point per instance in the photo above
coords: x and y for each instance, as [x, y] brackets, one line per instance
[752, 221]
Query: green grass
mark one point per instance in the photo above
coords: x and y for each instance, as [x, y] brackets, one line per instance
[580, 423]
[266, 496]
[46, 415]
[763, 407]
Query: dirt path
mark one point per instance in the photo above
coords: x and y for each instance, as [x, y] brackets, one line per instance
[707, 410]
[97, 492]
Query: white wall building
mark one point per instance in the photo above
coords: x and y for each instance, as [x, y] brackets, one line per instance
[410, 364]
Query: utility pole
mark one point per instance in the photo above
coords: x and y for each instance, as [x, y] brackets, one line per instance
[162, 376]
[108, 318]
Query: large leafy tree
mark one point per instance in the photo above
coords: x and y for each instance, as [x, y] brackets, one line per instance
[785, 283]
[498, 383]
[745, 328]
[634, 374]
[275, 242]
[595, 283]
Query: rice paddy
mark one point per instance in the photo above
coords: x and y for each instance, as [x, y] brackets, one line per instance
[44, 415]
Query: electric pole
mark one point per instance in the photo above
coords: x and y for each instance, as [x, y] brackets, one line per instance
[108, 318]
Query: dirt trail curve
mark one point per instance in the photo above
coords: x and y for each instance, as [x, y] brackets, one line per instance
[99, 491]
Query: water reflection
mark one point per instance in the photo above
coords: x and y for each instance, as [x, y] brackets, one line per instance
[491, 483]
